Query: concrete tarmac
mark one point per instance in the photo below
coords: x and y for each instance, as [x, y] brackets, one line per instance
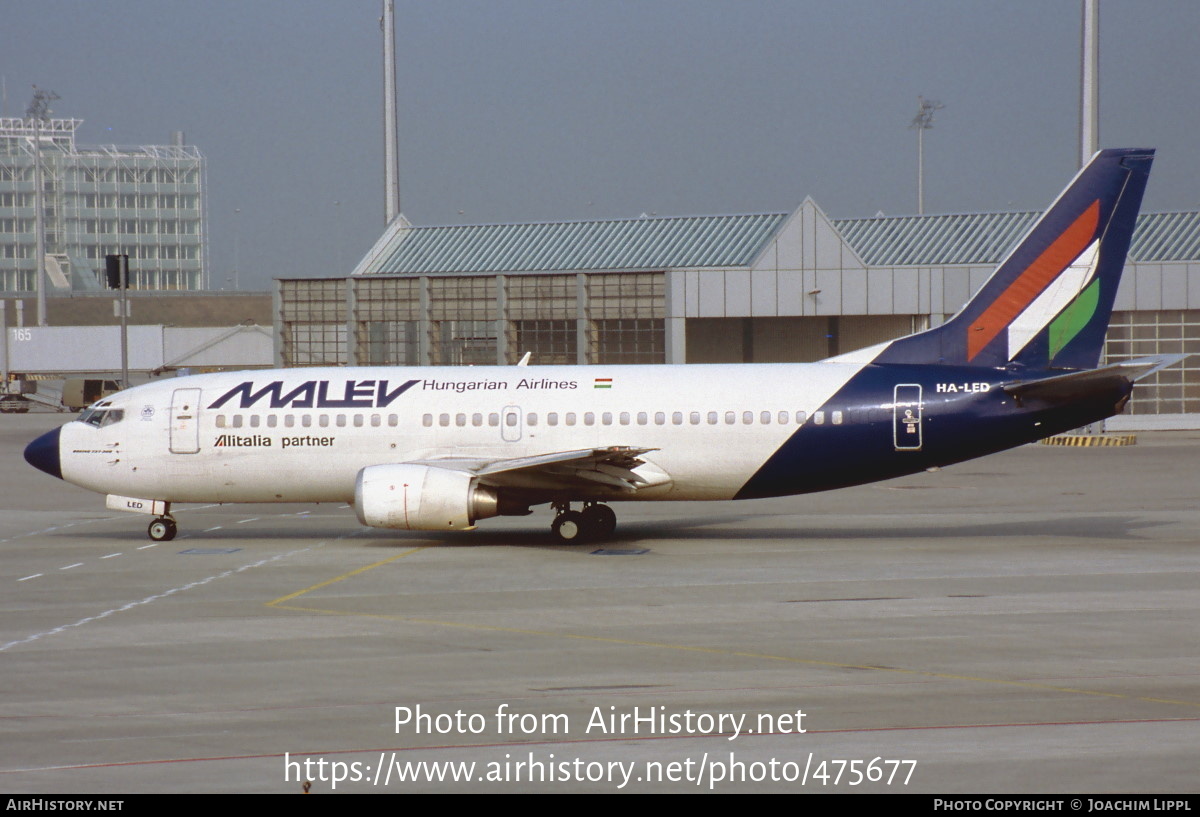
[1023, 623]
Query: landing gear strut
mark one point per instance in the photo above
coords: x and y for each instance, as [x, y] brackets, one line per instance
[162, 529]
[594, 523]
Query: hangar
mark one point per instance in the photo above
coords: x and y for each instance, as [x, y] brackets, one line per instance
[772, 287]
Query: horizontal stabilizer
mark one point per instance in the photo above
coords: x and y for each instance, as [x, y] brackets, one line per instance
[1079, 385]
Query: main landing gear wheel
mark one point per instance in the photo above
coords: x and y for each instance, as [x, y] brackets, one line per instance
[162, 529]
[594, 523]
[600, 521]
[568, 527]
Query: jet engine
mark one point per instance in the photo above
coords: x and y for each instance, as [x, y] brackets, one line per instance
[421, 497]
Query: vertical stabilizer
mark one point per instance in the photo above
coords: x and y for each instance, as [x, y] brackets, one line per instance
[1048, 303]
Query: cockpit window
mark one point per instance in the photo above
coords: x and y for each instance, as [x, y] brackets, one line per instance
[101, 417]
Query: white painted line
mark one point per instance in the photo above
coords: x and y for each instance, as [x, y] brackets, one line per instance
[27, 578]
[215, 527]
[111, 556]
[151, 545]
[68, 567]
[244, 521]
[155, 597]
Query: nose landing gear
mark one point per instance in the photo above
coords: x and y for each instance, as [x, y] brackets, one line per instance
[594, 523]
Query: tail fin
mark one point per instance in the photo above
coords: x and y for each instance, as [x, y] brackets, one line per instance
[1049, 302]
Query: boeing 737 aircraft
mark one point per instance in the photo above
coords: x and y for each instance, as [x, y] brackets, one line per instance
[442, 448]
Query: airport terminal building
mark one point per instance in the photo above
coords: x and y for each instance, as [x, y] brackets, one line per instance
[146, 201]
[772, 287]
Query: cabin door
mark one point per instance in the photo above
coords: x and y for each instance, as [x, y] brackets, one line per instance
[907, 427]
[185, 421]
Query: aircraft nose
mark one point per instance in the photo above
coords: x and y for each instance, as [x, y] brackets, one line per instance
[42, 453]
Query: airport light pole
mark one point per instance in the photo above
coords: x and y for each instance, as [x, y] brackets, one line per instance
[391, 173]
[922, 122]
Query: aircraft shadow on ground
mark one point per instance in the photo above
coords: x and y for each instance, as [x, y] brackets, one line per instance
[643, 534]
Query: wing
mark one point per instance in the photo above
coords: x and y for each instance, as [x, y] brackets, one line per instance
[588, 471]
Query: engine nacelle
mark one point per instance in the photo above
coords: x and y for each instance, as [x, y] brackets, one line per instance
[421, 497]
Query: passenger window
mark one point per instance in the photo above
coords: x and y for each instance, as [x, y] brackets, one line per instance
[643, 418]
[819, 418]
[606, 418]
[570, 418]
[552, 418]
[341, 421]
[730, 418]
[531, 418]
[625, 418]
[477, 419]
[801, 417]
[393, 420]
[427, 420]
[323, 420]
[511, 418]
[765, 418]
[237, 421]
[493, 419]
[837, 418]
[306, 420]
[660, 418]
[677, 418]
[460, 420]
[376, 421]
[289, 421]
[444, 420]
[220, 421]
[254, 421]
[747, 417]
[694, 418]
[272, 420]
[783, 418]
[358, 421]
[713, 418]
[589, 418]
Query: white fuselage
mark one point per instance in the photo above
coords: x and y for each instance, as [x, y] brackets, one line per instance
[218, 438]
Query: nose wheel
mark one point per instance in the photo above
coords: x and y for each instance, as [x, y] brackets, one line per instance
[594, 523]
[162, 529]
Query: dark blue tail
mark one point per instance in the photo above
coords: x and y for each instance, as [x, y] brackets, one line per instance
[1049, 302]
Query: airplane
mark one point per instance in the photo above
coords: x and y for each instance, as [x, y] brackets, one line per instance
[442, 448]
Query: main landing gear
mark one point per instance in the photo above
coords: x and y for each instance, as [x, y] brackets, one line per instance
[594, 523]
[163, 529]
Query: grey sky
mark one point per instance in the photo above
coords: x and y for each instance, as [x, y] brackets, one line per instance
[536, 110]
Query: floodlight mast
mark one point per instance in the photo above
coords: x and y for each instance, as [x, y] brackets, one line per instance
[391, 205]
[922, 122]
[38, 112]
[1089, 82]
